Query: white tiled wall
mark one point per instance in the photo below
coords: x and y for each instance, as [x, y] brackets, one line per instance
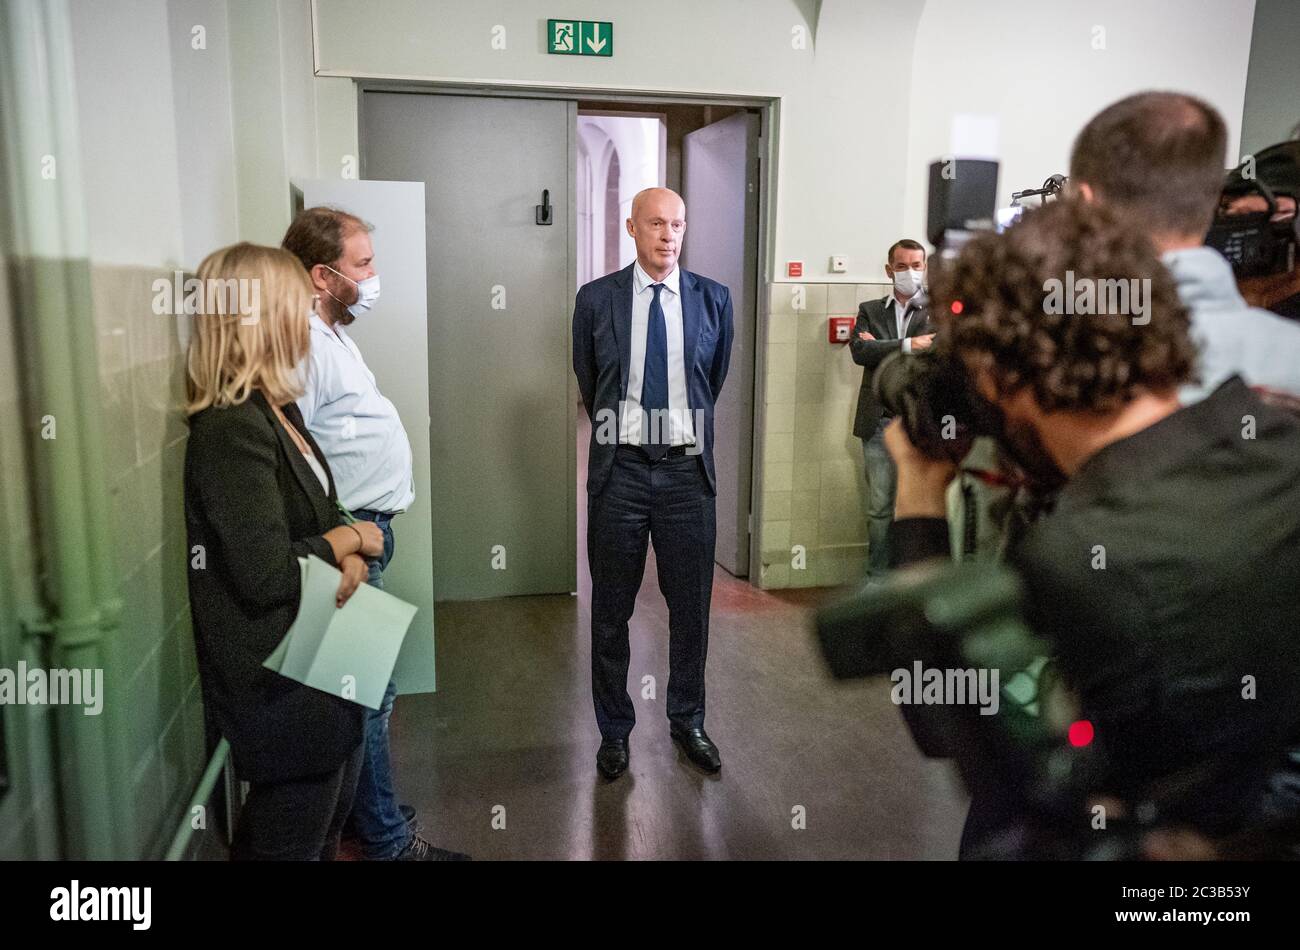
[814, 491]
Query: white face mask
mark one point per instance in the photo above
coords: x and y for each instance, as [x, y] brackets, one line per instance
[367, 293]
[907, 281]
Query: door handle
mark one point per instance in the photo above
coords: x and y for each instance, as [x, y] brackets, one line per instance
[544, 209]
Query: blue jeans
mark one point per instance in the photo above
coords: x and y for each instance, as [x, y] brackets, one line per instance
[882, 482]
[377, 819]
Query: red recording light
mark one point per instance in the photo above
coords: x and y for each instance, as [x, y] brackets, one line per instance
[1081, 733]
[957, 307]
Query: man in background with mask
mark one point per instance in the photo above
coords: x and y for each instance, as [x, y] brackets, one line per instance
[370, 459]
[900, 321]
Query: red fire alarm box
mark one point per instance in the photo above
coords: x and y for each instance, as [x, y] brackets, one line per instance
[794, 269]
[841, 329]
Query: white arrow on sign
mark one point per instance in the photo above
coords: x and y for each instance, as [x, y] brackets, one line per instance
[591, 44]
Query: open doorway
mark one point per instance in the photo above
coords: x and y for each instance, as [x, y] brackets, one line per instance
[505, 252]
[709, 155]
[619, 154]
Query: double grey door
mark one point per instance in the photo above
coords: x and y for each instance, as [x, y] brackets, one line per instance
[499, 237]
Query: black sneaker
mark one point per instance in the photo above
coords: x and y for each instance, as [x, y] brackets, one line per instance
[421, 850]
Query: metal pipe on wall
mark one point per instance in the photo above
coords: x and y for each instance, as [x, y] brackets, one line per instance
[52, 286]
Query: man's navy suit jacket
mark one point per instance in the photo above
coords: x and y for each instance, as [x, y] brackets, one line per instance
[602, 346]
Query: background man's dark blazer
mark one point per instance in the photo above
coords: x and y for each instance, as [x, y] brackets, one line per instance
[254, 504]
[870, 353]
[602, 341]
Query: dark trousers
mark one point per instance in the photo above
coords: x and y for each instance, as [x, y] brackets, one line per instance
[669, 503]
[297, 819]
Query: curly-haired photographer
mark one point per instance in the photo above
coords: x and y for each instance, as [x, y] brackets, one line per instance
[1179, 644]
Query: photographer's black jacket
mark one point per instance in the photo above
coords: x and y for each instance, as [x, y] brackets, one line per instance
[1185, 646]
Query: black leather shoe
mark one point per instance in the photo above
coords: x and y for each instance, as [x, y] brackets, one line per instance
[611, 759]
[699, 748]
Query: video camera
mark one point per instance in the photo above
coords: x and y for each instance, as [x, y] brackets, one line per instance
[1030, 756]
[1254, 243]
[946, 618]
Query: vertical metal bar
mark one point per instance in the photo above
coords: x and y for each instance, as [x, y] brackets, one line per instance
[53, 289]
[571, 264]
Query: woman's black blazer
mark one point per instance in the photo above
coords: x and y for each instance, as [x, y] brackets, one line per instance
[253, 506]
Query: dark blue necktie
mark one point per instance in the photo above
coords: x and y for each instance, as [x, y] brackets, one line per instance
[654, 382]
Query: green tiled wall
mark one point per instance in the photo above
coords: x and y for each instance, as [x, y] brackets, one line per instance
[28, 810]
[150, 676]
[141, 368]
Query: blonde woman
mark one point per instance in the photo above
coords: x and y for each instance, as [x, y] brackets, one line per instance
[259, 495]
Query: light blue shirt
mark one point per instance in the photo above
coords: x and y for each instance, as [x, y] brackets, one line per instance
[356, 427]
[1233, 337]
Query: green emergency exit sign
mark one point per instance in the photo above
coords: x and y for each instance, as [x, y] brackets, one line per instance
[579, 38]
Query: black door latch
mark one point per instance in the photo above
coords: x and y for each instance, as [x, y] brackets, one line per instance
[544, 209]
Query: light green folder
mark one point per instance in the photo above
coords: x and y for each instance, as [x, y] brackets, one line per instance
[348, 651]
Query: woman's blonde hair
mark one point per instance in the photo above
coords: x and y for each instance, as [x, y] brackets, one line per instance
[251, 330]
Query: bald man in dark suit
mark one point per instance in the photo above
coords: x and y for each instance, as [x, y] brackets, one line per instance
[651, 344]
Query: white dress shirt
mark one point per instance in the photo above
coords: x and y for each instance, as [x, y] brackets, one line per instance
[356, 427]
[318, 470]
[899, 322]
[681, 429]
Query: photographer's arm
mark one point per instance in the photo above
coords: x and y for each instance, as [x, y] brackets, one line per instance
[920, 528]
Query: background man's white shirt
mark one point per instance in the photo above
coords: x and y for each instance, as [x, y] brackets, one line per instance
[356, 426]
[899, 323]
[681, 427]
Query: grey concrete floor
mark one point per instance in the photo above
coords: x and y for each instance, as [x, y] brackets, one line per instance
[500, 762]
